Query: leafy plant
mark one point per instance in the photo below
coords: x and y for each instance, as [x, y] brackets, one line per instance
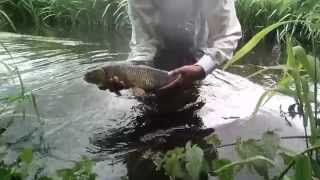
[258, 155]
[267, 12]
[185, 163]
[299, 73]
[81, 170]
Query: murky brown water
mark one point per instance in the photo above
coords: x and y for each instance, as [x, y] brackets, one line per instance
[77, 119]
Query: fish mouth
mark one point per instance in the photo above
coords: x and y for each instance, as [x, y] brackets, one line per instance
[94, 77]
[102, 87]
[86, 78]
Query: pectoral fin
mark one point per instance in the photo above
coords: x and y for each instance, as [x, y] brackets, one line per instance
[118, 93]
[138, 92]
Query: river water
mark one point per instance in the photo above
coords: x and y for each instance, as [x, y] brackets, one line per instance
[69, 118]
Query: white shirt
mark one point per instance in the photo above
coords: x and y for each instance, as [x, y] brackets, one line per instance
[210, 25]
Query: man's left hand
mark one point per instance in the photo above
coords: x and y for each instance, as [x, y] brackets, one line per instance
[186, 76]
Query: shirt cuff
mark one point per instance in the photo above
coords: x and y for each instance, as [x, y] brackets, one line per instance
[207, 64]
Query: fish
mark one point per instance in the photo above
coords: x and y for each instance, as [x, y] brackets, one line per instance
[142, 77]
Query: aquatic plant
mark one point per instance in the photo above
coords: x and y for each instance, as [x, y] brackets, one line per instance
[25, 166]
[258, 155]
[299, 73]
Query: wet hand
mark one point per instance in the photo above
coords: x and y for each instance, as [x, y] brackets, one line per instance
[186, 76]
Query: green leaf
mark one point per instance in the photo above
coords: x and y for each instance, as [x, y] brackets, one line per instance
[226, 174]
[173, 167]
[287, 178]
[303, 168]
[262, 100]
[286, 91]
[45, 178]
[66, 174]
[291, 63]
[9, 20]
[5, 174]
[312, 72]
[124, 178]
[315, 168]
[26, 156]
[271, 144]
[252, 43]
[285, 81]
[301, 57]
[248, 162]
[249, 149]
[309, 112]
[214, 140]
[194, 159]
[81, 170]
[286, 157]
[264, 69]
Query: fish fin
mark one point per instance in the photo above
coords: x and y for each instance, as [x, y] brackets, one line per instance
[138, 92]
[118, 93]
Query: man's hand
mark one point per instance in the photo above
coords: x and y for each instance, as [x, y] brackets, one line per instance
[186, 76]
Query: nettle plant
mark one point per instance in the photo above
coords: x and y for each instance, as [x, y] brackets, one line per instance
[300, 73]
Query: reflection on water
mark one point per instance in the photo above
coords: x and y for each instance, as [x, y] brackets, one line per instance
[152, 129]
[77, 119]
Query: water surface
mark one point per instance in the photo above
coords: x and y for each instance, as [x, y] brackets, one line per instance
[71, 118]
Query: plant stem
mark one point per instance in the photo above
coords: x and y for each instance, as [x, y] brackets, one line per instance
[257, 140]
[243, 162]
[316, 94]
[292, 162]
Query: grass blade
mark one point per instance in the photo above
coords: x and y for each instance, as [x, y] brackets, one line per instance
[253, 42]
[246, 161]
[9, 20]
[303, 169]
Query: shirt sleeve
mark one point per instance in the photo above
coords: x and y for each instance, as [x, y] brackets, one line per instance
[143, 42]
[224, 32]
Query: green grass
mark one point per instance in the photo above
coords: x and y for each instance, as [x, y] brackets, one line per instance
[254, 15]
[40, 16]
[300, 71]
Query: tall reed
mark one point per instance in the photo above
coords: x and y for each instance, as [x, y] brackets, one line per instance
[254, 15]
[107, 16]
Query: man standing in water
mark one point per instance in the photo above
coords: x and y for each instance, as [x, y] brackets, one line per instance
[188, 37]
